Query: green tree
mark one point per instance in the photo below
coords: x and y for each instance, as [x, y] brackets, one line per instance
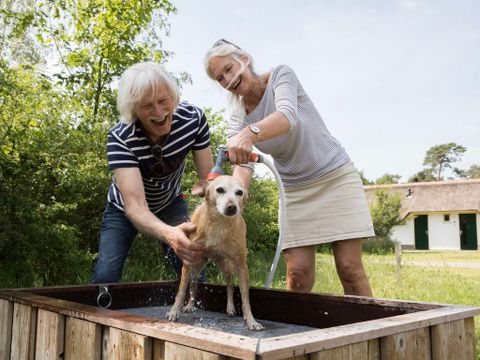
[425, 175]
[473, 172]
[95, 40]
[388, 179]
[441, 157]
[365, 181]
[385, 212]
[54, 178]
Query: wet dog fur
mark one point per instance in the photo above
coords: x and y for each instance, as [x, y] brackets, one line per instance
[221, 227]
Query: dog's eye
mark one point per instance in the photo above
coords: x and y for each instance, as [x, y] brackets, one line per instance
[221, 190]
[239, 192]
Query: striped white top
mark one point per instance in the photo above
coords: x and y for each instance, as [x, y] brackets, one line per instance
[128, 146]
[308, 151]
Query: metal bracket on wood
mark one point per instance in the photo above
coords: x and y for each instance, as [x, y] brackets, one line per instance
[105, 295]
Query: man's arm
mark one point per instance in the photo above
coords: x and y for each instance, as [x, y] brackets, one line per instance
[203, 164]
[130, 184]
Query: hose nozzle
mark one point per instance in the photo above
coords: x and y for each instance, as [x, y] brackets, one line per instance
[222, 157]
[218, 168]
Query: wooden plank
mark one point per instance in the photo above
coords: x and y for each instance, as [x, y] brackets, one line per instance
[50, 335]
[236, 346]
[414, 344]
[82, 340]
[322, 339]
[180, 352]
[158, 349]
[6, 321]
[23, 332]
[470, 338]
[244, 347]
[120, 344]
[448, 341]
[365, 350]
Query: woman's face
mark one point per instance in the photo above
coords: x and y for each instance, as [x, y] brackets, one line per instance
[228, 72]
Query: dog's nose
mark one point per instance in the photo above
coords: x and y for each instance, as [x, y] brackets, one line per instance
[231, 210]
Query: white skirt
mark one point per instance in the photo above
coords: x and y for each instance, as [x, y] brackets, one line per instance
[330, 209]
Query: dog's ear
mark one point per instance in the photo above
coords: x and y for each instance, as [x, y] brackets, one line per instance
[198, 189]
[208, 193]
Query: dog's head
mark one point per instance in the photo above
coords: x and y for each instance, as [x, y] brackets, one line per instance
[227, 195]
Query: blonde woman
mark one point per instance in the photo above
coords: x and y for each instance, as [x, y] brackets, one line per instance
[325, 202]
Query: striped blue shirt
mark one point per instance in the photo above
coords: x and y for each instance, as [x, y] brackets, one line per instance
[128, 146]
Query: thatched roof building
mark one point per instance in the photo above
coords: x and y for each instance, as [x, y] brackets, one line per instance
[437, 196]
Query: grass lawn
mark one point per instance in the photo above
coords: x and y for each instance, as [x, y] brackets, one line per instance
[426, 284]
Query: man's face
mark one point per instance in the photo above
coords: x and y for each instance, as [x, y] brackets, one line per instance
[155, 112]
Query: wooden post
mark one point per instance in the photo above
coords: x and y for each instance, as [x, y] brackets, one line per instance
[23, 332]
[50, 335]
[449, 341]
[398, 260]
[158, 349]
[179, 352]
[364, 350]
[470, 338]
[82, 340]
[6, 320]
[414, 344]
[121, 344]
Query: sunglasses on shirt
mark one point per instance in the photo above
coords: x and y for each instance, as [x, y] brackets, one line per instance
[162, 166]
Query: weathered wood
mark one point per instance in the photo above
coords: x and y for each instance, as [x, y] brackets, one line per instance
[415, 316]
[321, 339]
[158, 349]
[414, 344]
[470, 338]
[6, 320]
[179, 352]
[120, 344]
[50, 335]
[365, 350]
[448, 341]
[23, 332]
[82, 340]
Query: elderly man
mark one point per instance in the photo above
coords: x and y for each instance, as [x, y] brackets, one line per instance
[146, 150]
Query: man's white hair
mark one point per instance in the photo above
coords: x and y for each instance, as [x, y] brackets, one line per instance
[139, 80]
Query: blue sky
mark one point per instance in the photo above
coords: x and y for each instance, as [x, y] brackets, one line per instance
[390, 78]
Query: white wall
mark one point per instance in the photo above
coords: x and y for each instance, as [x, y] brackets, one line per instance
[404, 233]
[442, 235]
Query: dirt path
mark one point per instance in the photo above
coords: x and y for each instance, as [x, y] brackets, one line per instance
[451, 264]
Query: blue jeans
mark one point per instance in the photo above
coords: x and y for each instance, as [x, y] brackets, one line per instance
[117, 236]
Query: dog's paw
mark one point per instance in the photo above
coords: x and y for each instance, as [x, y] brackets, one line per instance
[254, 325]
[190, 307]
[172, 315]
[231, 310]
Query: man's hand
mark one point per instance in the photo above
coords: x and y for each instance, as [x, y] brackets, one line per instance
[190, 252]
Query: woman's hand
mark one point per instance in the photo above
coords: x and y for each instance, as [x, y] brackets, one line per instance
[240, 146]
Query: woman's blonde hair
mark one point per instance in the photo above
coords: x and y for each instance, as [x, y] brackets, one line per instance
[139, 80]
[225, 48]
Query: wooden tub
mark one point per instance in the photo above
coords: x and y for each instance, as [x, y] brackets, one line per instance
[65, 322]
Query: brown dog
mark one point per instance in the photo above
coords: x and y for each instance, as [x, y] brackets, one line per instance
[220, 226]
